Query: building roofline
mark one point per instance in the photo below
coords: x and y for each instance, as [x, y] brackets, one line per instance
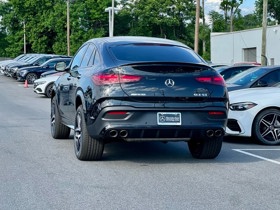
[242, 31]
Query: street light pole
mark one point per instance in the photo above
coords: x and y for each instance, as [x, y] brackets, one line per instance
[68, 27]
[264, 29]
[113, 15]
[111, 11]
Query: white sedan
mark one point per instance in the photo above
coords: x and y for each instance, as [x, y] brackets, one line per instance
[44, 85]
[255, 112]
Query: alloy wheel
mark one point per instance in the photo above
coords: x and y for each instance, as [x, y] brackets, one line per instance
[269, 126]
[78, 132]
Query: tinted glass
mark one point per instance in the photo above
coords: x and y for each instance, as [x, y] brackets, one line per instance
[78, 57]
[96, 58]
[52, 63]
[271, 79]
[247, 76]
[86, 60]
[154, 52]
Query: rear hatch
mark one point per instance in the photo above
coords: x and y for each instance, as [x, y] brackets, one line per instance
[171, 81]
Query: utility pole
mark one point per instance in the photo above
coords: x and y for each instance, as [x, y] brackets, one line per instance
[203, 23]
[24, 38]
[68, 27]
[264, 29]
[196, 38]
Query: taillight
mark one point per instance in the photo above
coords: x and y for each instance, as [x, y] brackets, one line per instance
[216, 113]
[117, 112]
[116, 115]
[108, 79]
[217, 80]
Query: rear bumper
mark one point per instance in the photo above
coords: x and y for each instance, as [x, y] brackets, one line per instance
[142, 125]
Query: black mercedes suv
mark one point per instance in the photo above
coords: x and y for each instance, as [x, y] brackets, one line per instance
[139, 89]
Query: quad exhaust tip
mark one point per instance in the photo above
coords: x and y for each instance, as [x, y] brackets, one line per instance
[212, 133]
[123, 133]
[115, 133]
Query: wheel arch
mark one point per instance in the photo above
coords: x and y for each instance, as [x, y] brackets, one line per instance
[80, 100]
[264, 109]
[50, 83]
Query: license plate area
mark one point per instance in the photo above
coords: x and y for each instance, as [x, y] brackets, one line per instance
[169, 118]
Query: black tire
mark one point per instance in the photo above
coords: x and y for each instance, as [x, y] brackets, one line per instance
[266, 127]
[208, 148]
[58, 130]
[48, 90]
[86, 148]
[31, 77]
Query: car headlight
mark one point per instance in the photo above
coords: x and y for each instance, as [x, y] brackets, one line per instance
[242, 106]
[22, 73]
[14, 69]
[39, 83]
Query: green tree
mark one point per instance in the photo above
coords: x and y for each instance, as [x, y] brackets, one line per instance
[247, 22]
[159, 18]
[45, 22]
[88, 20]
[273, 7]
[4, 9]
[217, 22]
[230, 8]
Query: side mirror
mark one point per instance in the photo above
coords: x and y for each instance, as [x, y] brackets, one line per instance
[60, 66]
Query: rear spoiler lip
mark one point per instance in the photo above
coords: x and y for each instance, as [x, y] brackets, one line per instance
[202, 65]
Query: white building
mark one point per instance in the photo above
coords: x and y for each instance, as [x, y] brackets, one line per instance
[245, 46]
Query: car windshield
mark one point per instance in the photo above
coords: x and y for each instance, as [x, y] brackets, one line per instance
[154, 52]
[247, 76]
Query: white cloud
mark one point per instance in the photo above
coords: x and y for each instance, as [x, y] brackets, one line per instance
[212, 5]
[213, 1]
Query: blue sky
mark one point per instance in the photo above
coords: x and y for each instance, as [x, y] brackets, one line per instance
[247, 7]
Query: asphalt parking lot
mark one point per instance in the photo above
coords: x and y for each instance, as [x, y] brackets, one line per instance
[38, 172]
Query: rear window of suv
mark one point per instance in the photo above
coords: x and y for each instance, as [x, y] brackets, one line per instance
[155, 53]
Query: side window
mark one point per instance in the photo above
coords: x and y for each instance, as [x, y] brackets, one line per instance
[77, 60]
[271, 78]
[96, 58]
[87, 57]
[41, 61]
[51, 64]
[92, 60]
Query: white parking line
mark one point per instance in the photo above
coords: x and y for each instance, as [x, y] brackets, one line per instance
[257, 156]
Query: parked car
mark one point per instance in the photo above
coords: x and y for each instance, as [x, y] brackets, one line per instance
[11, 68]
[263, 76]
[31, 73]
[43, 86]
[230, 71]
[139, 89]
[37, 60]
[247, 63]
[21, 58]
[255, 112]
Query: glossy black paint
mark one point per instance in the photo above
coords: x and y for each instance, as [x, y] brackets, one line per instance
[97, 79]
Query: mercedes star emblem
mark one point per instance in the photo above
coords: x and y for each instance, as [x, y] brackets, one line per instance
[169, 83]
